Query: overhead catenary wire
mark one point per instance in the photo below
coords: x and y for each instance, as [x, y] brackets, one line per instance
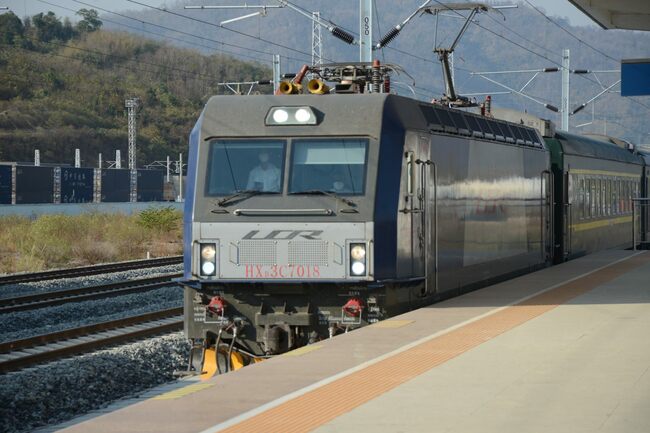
[249, 49]
[162, 35]
[279, 45]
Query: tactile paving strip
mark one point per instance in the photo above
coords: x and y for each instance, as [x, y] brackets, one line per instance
[317, 407]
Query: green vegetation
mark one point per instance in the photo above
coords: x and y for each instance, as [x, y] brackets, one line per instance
[63, 86]
[57, 241]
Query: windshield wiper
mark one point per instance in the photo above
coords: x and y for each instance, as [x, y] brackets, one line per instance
[328, 193]
[242, 195]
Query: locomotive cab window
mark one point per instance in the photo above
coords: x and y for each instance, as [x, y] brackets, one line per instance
[329, 164]
[245, 165]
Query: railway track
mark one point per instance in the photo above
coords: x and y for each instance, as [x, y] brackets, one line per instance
[89, 270]
[58, 297]
[19, 354]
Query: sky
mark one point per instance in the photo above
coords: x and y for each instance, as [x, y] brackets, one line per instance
[562, 8]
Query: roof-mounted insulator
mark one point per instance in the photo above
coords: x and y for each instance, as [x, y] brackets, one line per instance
[342, 35]
[388, 37]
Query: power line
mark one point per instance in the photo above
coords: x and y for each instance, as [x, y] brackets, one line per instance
[286, 47]
[570, 33]
[269, 53]
[161, 35]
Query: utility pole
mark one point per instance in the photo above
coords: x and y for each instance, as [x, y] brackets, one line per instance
[132, 104]
[180, 176]
[316, 41]
[365, 30]
[167, 165]
[99, 160]
[564, 111]
[276, 73]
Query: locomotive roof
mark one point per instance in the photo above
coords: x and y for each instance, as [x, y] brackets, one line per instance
[580, 145]
[355, 114]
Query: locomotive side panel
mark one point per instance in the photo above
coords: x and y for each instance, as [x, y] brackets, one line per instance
[492, 210]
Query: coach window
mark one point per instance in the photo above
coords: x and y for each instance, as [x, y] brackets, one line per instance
[607, 195]
[332, 164]
[242, 165]
[581, 197]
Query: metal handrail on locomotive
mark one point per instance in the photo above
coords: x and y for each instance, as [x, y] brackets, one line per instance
[311, 214]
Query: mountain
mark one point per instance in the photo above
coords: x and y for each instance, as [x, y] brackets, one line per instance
[63, 89]
[509, 39]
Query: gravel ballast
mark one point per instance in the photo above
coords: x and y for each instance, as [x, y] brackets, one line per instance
[24, 324]
[59, 391]
[10, 290]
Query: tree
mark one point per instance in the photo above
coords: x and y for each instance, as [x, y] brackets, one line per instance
[90, 21]
[48, 27]
[10, 28]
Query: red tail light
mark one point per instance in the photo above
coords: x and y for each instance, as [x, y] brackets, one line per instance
[217, 305]
[353, 307]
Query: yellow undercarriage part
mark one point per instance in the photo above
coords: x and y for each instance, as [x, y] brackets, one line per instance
[210, 368]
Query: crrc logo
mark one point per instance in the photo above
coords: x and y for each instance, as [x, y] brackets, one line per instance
[284, 235]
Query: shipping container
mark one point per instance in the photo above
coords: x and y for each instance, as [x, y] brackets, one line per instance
[150, 185]
[6, 182]
[116, 185]
[77, 185]
[34, 185]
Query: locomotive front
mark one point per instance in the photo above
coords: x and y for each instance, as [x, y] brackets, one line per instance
[279, 230]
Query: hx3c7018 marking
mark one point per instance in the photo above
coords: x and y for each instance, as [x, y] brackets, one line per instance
[312, 235]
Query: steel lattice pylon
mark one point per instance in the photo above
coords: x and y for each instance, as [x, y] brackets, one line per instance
[131, 104]
[316, 41]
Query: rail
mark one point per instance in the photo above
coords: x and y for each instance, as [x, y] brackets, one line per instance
[58, 297]
[19, 354]
[89, 270]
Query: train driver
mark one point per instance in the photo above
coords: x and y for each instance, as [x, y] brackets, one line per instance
[265, 176]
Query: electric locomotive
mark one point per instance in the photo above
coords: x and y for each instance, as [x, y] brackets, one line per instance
[308, 215]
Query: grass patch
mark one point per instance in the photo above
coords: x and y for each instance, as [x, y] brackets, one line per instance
[58, 241]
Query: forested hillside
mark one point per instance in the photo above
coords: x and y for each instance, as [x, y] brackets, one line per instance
[63, 86]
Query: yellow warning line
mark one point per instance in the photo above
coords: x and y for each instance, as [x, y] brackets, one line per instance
[303, 350]
[311, 410]
[181, 392]
[392, 324]
[602, 223]
[603, 173]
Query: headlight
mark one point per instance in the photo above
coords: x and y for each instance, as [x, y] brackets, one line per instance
[280, 116]
[208, 252]
[358, 259]
[208, 260]
[208, 268]
[358, 252]
[291, 116]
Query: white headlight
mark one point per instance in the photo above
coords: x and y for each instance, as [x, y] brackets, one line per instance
[358, 252]
[208, 252]
[358, 268]
[302, 115]
[280, 116]
[208, 268]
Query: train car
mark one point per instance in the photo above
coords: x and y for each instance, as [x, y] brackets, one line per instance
[643, 204]
[308, 215]
[595, 183]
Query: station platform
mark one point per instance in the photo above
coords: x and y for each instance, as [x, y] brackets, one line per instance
[564, 349]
